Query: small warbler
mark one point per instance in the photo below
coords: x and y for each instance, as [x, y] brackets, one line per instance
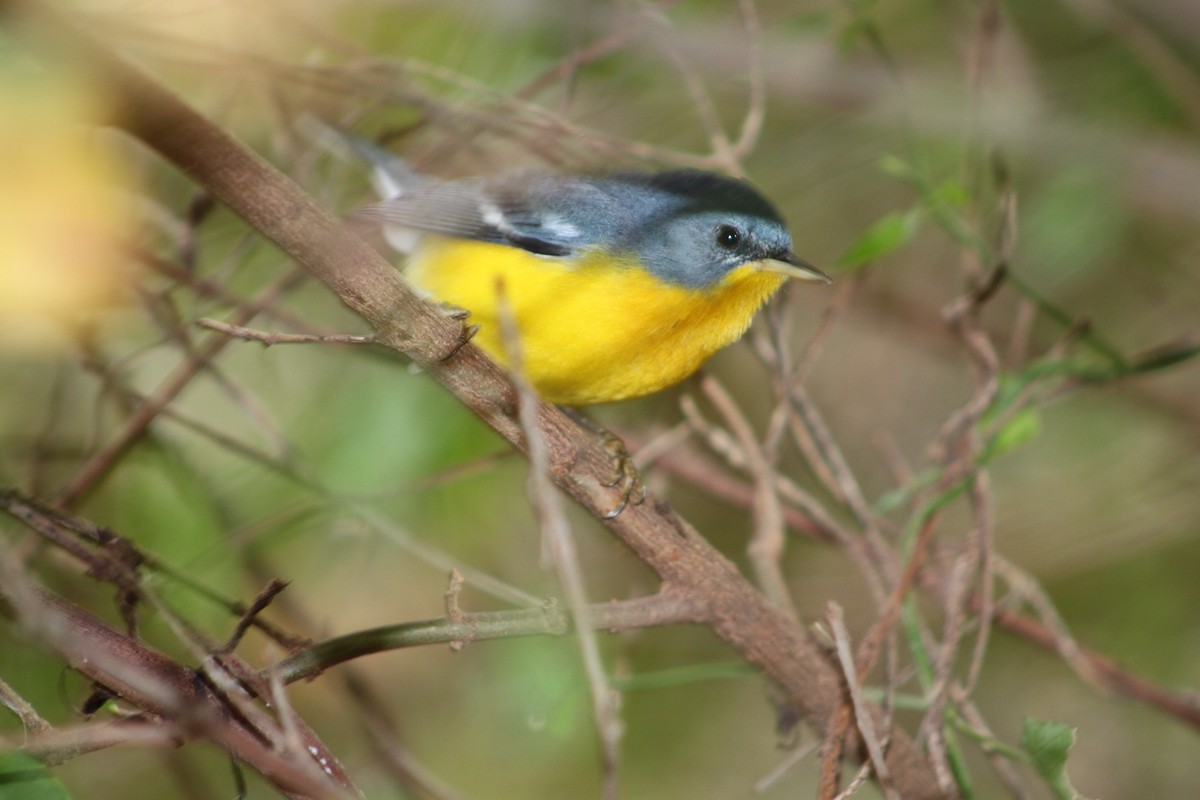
[620, 284]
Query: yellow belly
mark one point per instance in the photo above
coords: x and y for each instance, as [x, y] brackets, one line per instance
[590, 334]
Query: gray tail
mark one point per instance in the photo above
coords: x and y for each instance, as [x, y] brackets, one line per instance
[391, 176]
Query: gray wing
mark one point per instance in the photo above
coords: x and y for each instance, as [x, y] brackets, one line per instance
[547, 214]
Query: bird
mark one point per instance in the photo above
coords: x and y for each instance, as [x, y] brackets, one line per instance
[620, 284]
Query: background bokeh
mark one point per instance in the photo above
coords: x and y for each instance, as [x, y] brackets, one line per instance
[360, 481]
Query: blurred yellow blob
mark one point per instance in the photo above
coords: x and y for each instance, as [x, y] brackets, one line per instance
[63, 210]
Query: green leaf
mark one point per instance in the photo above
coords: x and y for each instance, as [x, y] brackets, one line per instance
[949, 194]
[884, 237]
[1024, 426]
[1048, 744]
[23, 777]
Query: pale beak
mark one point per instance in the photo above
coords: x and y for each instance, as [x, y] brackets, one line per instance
[793, 267]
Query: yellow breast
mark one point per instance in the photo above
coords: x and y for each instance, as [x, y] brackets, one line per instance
[591, 332]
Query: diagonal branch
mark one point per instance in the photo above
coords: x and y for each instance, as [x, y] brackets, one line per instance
[155, 683]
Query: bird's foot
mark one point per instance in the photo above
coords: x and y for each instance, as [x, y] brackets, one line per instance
[625, 478]
[453, 312]
[459, 314]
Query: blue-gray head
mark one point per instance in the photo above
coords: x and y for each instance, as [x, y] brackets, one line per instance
[693, 228]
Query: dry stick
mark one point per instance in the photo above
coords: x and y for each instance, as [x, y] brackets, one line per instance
[268, 338]
[768, 539]
[211, 290]
[57, 746]
[113, 558]
[102, 463]
[697, 468]
[756, 106]
[702, 102]
[368, 708]
[404, 768]
[1101, 670]
[1095, 668]
[841, 638]
[980, 496]
[856, 783]
[560, 542]
[117, 561]
[31, 721]
[763, 784]
[808, 422]
[150, 680]
[782, 417]
[577, 462]
[797, 372]
[868, 651]
[960, 441]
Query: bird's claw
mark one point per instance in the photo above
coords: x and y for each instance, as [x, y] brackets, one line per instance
[626, 478]
[467, 333]
[453, 312]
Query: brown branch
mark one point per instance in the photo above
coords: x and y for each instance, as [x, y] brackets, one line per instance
[101, 464]
[768, 540]
[1184, 706]
[31, 721]
[56, 746]
[155, 683]
[577, 463]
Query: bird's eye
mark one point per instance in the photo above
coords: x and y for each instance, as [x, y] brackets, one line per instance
[728, 237]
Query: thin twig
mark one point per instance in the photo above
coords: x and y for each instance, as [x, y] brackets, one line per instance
[151, 681]
[797, 755]
[559, 540]
[767, 543]
[756, 103]
[722, 149]
[862, 714]
[845, 485]
[102, 463]
[31, 721]
[268, 338]
[59, 745]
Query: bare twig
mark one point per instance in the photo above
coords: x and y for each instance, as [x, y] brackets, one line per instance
[767, 543]
[102, 463]
[31, 721]
[151, 681]
[560, 542]
[723, 152]
[756, 105]
[269, 338]
[261, 602]
[862, 715]
[797, 755]
[827, 452]
[59, 745]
